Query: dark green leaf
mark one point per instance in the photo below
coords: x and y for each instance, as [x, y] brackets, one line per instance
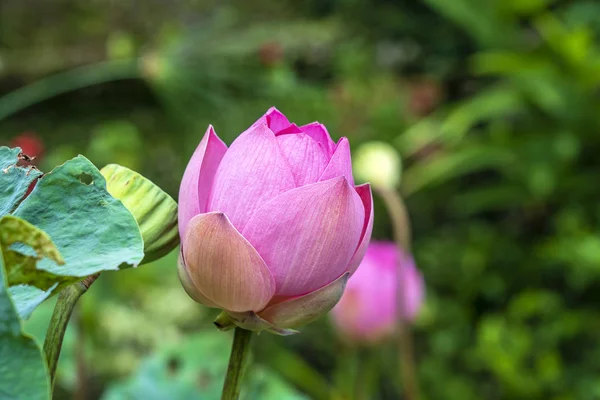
[23, 372]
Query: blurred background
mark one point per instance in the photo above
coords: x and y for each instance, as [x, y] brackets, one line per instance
[493, 105]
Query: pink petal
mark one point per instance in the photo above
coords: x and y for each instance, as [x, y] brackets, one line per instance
[198, 177]
[252, 172]
[306, 158]
[340, 163]
[364, 191]
[274, 119]
[302, 310]
[308, 235]
[319, 133]
[293, 128]
[224, 267]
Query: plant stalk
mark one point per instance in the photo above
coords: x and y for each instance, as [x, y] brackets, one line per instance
[368, 374]
[67, 81]
[402, 234]
[67, 299]
[237, 363]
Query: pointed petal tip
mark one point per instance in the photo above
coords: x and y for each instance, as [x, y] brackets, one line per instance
[340, 163]
[197, 180]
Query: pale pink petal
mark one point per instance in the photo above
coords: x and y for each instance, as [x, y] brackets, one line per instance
[306, 158]
[319, 133]
[188, 285]
[340, 163]
[308, 235]
[198, 177]
[224, 267]
[252, 172]
[302, 310]
[364, 191]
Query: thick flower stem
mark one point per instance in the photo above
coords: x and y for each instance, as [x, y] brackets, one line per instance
[237, 362]
[401, 224]
[67, 299]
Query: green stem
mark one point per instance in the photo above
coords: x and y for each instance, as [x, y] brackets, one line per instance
[346, 373]
[67, 81]
[402, 234]
[368, 374]
[399, 216]
[67, 299]
[237, 363]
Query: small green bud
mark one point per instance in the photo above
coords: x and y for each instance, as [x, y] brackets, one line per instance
[153, 209]
[378, 163]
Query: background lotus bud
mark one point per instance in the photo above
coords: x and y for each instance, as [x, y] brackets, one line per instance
[153, 209]
[367, 312]
[273, 226]
[378, 163]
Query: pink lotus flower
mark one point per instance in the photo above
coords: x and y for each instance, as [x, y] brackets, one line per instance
[367, 312]
[272, 227]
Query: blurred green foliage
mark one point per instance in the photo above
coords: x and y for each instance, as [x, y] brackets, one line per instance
[493, 105]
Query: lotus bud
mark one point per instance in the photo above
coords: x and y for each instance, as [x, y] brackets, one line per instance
[273, 226]
[378, 163]
[368, 310]
[153, 209]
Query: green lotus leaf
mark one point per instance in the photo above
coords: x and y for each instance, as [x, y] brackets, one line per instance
[92, 230]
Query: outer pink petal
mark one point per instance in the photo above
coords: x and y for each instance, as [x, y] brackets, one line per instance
[302, 310]
[364, 191]
[224, 267]
[319, 133]
[253, 171]
[308, 235]
[340, 163]
[306, 158]
[198, 177]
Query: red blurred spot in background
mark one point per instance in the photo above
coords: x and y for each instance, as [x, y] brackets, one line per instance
[31, 144]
